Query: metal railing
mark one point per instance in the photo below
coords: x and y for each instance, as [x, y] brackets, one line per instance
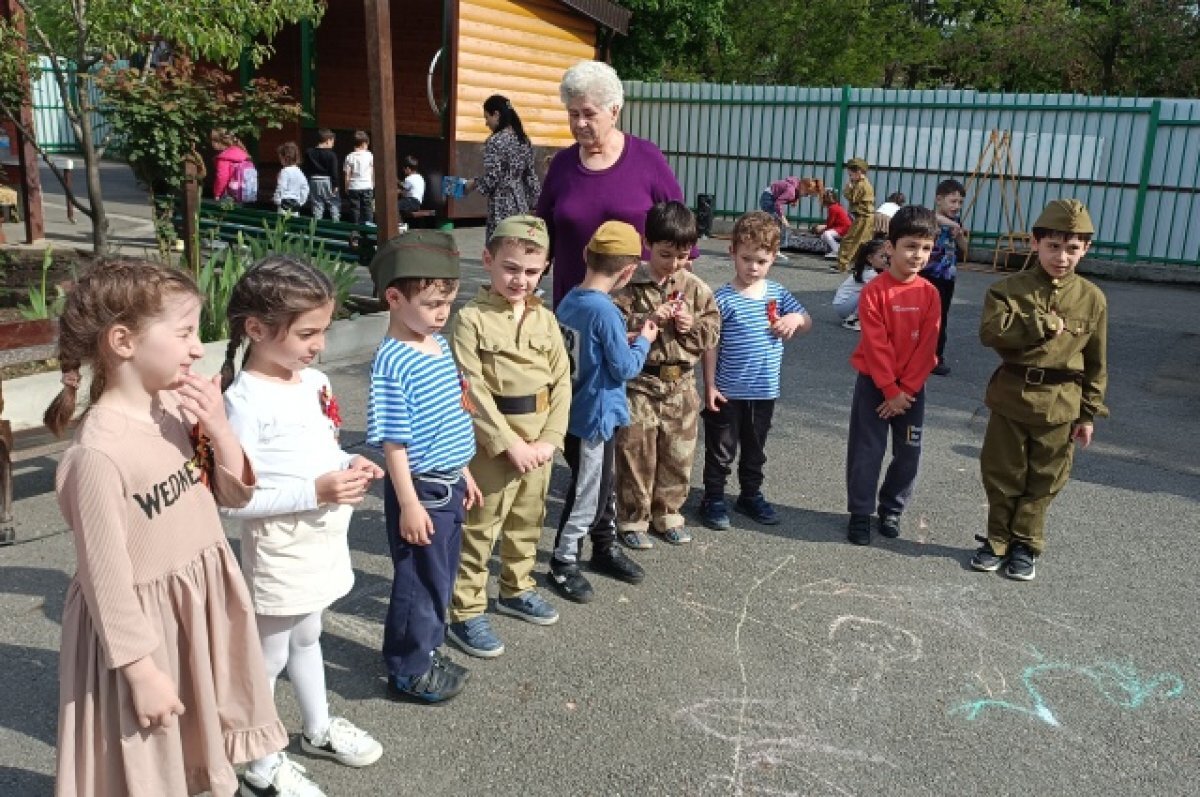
[1135, 162]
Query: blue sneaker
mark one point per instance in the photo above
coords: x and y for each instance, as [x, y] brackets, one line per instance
[438, 684]
[714, 513]
[530, 607]
[475, 637]
[757, 508]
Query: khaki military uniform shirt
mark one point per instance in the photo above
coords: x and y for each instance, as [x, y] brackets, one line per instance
[861, 196]
[1019, 324]
[642, 296]
[501, 356]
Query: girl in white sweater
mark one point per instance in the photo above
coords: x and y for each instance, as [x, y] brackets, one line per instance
[295, 554]
[870, 259]
[291, 188]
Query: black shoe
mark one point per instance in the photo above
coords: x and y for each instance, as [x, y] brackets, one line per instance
[440, 659]
[1021, 563]
[613, 562]
[714, 514]
[889, 524]
[442, 681]
[757, 508]
[985, 559]
[569, 582]
[858, 530]
[941, 369]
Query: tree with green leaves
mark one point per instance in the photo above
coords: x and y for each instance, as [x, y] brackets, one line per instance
[78, 38]
[162, 116]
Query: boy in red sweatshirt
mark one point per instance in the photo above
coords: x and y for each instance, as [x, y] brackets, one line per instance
[900, 313]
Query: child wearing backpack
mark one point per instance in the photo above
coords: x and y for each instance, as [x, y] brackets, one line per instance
[234, 175]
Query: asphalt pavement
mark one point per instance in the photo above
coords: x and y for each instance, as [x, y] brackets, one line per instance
[782, 660]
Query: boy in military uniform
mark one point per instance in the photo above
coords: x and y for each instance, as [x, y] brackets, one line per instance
[654, 452]
[1049, 326]
[518, 379]
[861, 196]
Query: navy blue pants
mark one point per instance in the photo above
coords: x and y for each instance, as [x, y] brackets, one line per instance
[422, 575]
[867, 445]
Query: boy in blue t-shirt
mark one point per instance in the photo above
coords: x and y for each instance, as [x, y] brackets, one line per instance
[602, 360]
[741, 376]
[415, 413]
[949, 248]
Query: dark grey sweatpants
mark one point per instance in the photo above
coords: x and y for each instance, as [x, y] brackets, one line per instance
[868, 444]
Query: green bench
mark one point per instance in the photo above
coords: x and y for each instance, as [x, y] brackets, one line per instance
[222, 222]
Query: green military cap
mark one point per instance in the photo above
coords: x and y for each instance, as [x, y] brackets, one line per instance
[429, 254]
[1066, 215]
[856, 163]
[616, 238]
[524, 228]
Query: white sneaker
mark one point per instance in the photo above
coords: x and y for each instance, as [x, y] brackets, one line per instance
[780, 257]
[345, 743]
[851, 323]
[403, 228]
[831, 255]
[287, 780]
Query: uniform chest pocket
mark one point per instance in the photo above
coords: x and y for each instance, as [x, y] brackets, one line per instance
[1079, 327]
[493, 344]
[541, 342]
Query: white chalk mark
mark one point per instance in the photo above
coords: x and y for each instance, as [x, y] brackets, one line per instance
[744, 687]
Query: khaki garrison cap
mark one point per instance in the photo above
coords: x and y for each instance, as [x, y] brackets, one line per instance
[857, 163]
[616, 238]
[1065, 215]
[428, 254]
[524, 228]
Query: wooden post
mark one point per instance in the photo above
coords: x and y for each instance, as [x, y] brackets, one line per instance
[27, 155]
[191, 216]
[383, 117]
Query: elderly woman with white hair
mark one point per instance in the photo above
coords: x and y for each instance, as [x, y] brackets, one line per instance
[607, 175]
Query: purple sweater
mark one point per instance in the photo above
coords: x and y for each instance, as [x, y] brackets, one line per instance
[575, 201]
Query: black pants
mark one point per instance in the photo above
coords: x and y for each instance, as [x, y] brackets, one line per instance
[408, 204]
[867, 445]
[739, 422]
[360, 205]
[422, 575]
[945, 289]
[602, 526]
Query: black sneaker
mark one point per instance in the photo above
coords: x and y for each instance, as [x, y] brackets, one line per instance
[714, 514]
[756, 507]
[1021, 563]
[985, 559]
[569, 581]
[442, 681]
[613, 562]
[889, 524]
[858, 530]
[941, 369]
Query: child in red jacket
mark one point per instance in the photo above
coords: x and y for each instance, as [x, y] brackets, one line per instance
[837, 223]
[900, 313]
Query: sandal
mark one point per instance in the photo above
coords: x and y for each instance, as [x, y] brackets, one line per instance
[637, 540]
[676, 536]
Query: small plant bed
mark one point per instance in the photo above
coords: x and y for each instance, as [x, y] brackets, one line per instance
[21, 269]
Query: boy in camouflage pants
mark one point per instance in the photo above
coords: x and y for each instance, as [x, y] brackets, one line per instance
[654, 453]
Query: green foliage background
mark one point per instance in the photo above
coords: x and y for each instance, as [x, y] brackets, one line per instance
[1116, 47]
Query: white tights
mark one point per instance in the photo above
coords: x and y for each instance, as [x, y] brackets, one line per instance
[295, 643]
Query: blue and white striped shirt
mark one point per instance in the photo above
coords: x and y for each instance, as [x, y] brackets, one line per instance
[749, 357]
[416, 401]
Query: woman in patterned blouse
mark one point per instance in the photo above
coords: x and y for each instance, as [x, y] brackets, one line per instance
[509, 180]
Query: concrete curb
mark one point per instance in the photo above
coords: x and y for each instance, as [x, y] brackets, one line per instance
[26, 398]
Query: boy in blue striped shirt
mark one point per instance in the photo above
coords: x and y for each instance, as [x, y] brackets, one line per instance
[417, 414]
[741, 376]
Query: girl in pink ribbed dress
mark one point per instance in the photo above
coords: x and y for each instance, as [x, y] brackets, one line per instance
[161, 678]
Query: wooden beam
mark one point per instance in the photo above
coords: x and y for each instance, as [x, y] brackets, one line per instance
[383, 117]
[27, 155]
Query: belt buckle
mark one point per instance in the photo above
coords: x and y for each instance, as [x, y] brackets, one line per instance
[542, 401]
[1029, 376]
[670, 373]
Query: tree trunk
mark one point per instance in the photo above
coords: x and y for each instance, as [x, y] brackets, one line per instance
[91, 161]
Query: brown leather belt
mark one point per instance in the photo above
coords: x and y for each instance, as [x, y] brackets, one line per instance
[668, 372]
[524, 405]
[1043, 376]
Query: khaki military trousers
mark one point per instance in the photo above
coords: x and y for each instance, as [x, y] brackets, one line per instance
[860, 232]
[654, 458]
[1023, 468]
[513, 510]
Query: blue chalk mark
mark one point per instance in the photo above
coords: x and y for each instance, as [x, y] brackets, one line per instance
[1119, 684]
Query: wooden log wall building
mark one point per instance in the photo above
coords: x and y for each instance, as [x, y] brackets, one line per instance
[448, 56]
